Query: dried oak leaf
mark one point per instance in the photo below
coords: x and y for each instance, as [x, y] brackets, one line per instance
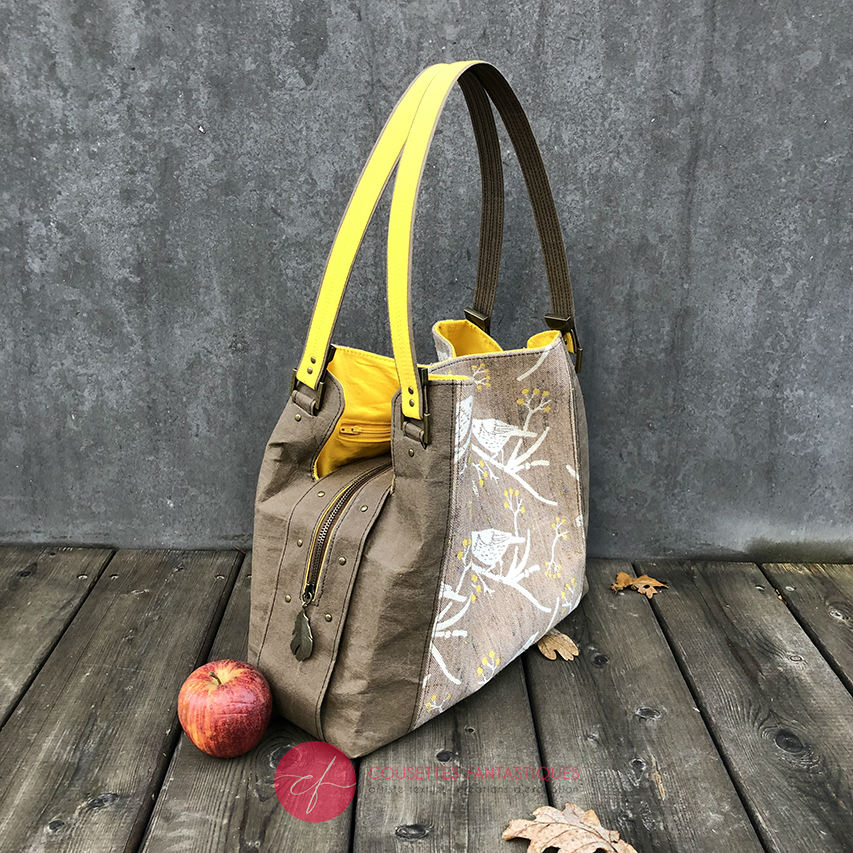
[556, 643]
[623, 580]
[644, 584]
[571, 830]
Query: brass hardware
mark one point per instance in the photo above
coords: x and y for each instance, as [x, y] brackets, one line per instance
[566, 326]
[482, 321]
[288, 598]
[302, 641]
[313, 360]
[321, 494]
[363, 508]
[299, 542]
[411, 390]
[297, 417]
[413, 428]
[328, 617]
[318, 394]
[411, 451]
[309, 369]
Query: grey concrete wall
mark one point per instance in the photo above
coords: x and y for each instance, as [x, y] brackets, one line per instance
[173, 174]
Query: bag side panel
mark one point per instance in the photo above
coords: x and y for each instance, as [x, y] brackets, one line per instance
[517, 528]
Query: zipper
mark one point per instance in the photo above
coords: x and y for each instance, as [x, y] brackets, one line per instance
[302, 641]
[367, 430]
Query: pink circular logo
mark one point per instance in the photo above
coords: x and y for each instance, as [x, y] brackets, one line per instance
[314, 781]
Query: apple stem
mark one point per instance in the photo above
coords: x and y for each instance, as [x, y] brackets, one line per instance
[212, 674]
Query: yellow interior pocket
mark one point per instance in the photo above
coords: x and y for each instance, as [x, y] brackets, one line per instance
[369, 381]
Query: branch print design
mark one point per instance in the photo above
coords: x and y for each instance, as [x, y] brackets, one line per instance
[517, 560]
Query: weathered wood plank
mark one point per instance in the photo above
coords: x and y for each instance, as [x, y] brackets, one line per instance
[40, 591]
[779, 714]
[821, 597]
[90, 739]
[622, 713]
[491, 729]
[215, 804]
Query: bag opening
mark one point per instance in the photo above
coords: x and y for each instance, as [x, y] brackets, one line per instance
[462, 337]
[369, 382]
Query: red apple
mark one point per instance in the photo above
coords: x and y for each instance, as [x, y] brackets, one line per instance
[225, 707]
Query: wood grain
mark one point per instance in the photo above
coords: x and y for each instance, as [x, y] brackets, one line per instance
[41, 589]
[622, 713]
[493, 728]
[213, 804]
[90, 739]
[820, 595]
[778, 713]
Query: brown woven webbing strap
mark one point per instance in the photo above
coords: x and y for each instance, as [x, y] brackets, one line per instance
[541, 198]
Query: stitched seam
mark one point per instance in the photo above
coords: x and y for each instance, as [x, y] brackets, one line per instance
[332, 427]
[344, 611]
[446, 551]
[287, 528]
[576, 461]
[279, 568]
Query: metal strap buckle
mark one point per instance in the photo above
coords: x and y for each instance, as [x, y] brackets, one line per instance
[308, 399]
[483, 321]
[566, 326]
[418, 429]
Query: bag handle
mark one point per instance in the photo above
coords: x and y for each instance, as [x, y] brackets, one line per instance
[362, 204]
[401, 224]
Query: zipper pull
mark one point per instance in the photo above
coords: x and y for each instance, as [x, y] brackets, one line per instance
[302, 639]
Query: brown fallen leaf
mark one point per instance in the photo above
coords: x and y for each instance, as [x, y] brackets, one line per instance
[648, 586]
[556, 643]
[571, 830]
[623, 580]
[644, 584]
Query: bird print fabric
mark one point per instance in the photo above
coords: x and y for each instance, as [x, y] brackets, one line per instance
[516, 556]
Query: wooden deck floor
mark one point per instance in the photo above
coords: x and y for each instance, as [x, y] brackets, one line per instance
[716, 717]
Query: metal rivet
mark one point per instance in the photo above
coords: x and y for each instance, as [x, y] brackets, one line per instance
[299, 543]
[287, 598]
[342, 560]
[309, 369]
[328, 617]
[411, 390]
[411, 451]
[363, 508]
[313, 360]
[297, 417]
[320, 494]
[411, 402]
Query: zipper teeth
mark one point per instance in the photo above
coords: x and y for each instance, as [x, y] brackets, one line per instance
[321, 535]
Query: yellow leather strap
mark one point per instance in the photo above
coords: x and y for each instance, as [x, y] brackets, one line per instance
[401, 224]
[377, 171]
[354, 223]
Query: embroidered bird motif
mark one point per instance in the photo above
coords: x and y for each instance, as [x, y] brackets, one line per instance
[492, 434]
[489, 546]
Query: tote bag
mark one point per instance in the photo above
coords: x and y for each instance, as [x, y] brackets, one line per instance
[418, 526]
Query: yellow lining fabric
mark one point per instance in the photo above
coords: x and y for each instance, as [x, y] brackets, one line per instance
[464, 338]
